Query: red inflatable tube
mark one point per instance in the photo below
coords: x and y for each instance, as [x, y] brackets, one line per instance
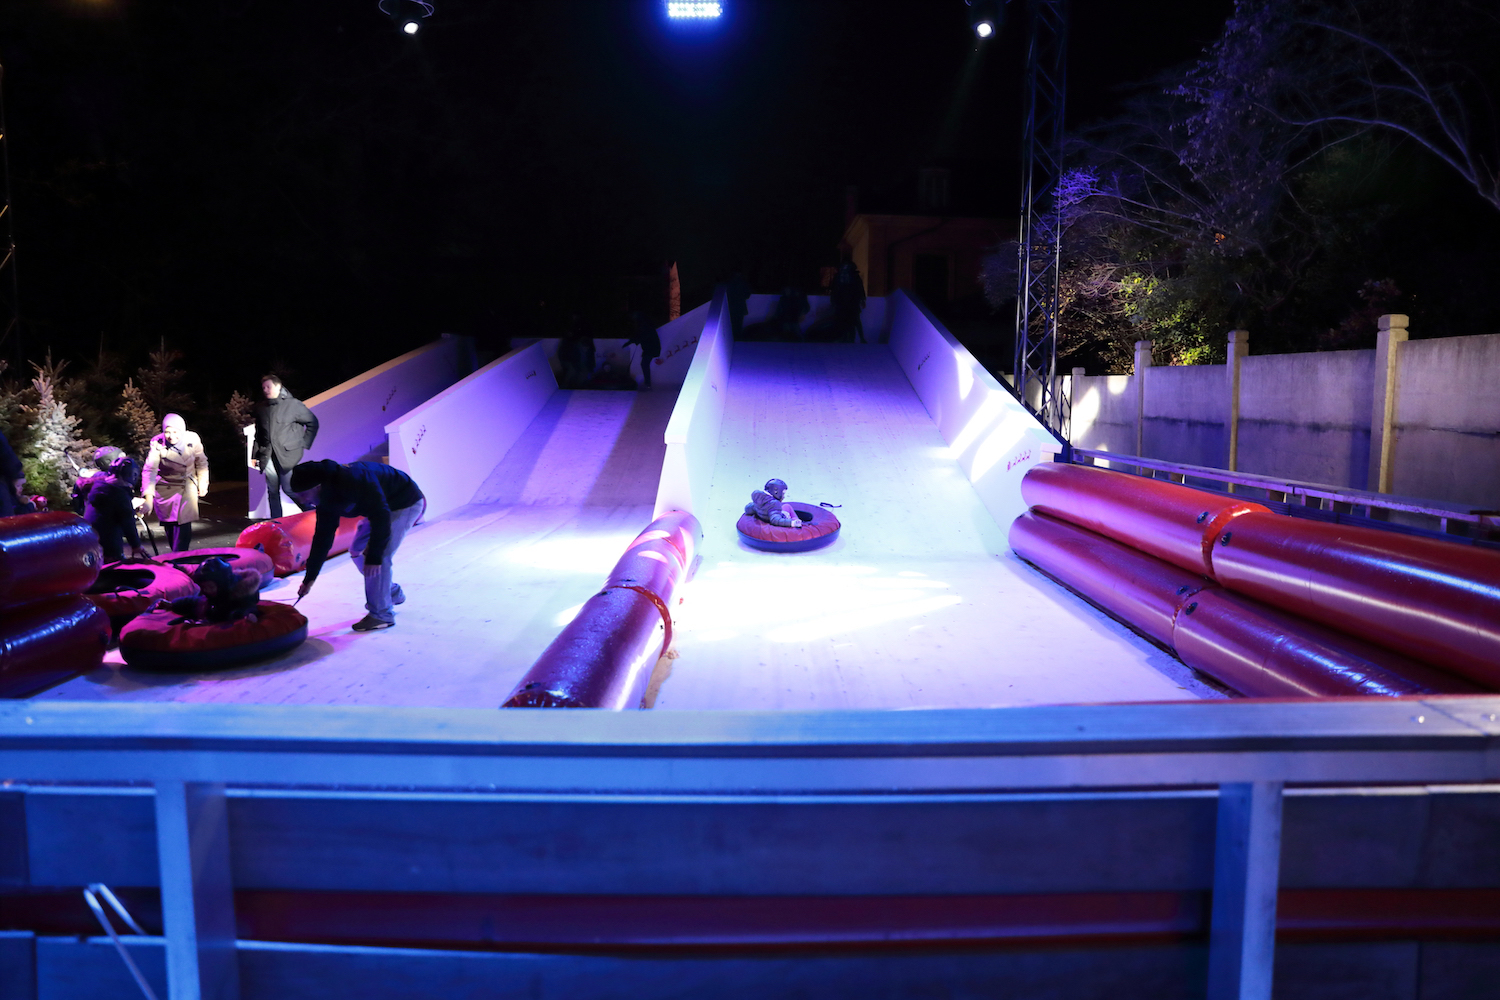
[163, 640]
[1264, 653]
[125, 589]
[1434, 601]
[46, 555]
[237, 558]
[288, 540]
[1171, 522]
[48, 642]
[1130, 585]
[604, 656]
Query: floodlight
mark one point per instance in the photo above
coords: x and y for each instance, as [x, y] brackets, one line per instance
[407, 14]
[986, 17]
[694, 10]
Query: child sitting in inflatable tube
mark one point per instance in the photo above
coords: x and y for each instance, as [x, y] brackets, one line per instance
[766, 505]
[226, 594]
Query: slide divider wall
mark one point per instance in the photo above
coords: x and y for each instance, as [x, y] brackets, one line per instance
[1272, 606]
[450, 443]
[992, 436]
[692, 435]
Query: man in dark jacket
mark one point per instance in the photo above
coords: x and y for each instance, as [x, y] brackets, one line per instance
[644, 333]
[284, 429]
[390, 503]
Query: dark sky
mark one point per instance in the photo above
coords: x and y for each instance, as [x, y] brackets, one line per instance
[262, 181]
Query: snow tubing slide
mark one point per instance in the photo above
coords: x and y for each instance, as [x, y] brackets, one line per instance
[604, 656]
[163, 640]
[47, 642]
[127, 588]
[288, 540]
[46, 555]
[1255, 649]
[237, 558]
[819, 528]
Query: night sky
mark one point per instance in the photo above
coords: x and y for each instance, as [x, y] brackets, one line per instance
[302, 185]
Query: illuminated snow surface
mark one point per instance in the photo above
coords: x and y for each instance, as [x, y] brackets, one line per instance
[919, 603]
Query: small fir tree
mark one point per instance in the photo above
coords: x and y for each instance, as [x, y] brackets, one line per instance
[140, 419]
[240, 410]
[55, 452]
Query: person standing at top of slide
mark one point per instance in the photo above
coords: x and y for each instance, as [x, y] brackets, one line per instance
[284, 429]
[176, 475]
[643, 332]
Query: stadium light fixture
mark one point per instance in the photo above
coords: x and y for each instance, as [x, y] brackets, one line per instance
[694, 10]
[986, 17]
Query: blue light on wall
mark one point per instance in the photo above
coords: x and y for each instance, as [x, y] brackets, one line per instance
[695, 10]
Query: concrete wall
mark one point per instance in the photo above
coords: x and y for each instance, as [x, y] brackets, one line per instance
[352, 416]
[692, 435]
[1187, 408]
[992, 436]
[1104, 412]
[1448, 419]
[1308, 417]
[450, 443]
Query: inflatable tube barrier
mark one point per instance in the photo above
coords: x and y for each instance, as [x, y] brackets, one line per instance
[1171, 522]
[46, 555]
[164, 640]
[46, 643]
[604, 656]
[288, 540]
[1432, 600]
[237, 558]
[819, 528]
[125, 589]
[1255, 649]
[1264, 653]
[1134, 587]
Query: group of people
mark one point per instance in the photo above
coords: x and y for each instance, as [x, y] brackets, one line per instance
[843, 323]
[578, 357]
[174, 479]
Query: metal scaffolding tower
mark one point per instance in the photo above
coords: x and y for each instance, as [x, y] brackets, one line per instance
[1040, 236]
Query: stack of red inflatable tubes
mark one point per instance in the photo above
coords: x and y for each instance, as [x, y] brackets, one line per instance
[48, 631]
[288, 540]
[1269, 605]
[603, 657]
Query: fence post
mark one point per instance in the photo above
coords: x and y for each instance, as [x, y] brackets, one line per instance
[197, 896]
[1392, 334]
[1247, 867]
[1142, 362]
[1239, 349]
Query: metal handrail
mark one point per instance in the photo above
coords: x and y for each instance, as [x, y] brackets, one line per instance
[1311, 494]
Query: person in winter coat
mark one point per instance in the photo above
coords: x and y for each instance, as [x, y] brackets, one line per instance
[175, 477]
[284, 429]
[848, 299]
[645, 334]
[390, 503]
[107, 506]
[12, 480]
